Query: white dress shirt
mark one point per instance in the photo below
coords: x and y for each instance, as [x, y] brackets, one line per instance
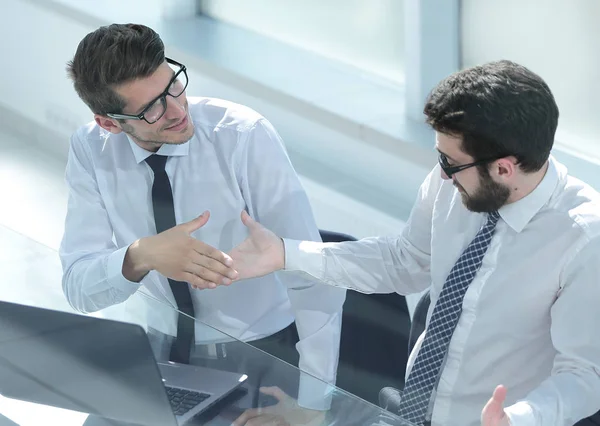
[235, 161]
[531, 316]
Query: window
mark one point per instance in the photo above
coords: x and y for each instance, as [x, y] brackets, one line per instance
[139, 11]
[557, 39]
[368, 35]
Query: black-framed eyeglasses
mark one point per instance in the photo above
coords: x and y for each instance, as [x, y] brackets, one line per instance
[158, 106]
[451, 170]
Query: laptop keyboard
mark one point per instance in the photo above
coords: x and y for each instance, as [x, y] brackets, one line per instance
[183, 400]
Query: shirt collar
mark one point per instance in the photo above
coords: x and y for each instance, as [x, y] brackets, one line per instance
[518, 214]
[169, 150]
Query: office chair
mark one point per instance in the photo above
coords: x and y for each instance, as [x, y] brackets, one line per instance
[417, 326]
[389, 396]
[375, 330]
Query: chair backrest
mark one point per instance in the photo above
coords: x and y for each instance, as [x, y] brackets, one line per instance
[417, 326]
[335, 237]
[375, 331]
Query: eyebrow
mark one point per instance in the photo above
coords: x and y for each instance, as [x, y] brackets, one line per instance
[139, 111]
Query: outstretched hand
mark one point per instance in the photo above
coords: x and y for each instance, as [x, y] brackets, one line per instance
[175, 254]
[259, 254]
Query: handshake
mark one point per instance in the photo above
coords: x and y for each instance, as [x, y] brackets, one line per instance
[177, 255]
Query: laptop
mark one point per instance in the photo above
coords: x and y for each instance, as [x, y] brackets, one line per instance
[100, 367]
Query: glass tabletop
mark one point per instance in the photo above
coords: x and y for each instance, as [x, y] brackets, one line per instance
[58, 366]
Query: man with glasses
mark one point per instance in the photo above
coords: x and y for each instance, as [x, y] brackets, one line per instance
[509, 245]
[156, 184]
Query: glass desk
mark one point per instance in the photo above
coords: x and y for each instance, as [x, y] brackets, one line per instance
[31, 276]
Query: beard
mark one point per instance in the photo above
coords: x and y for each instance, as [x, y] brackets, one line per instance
[489, 197]
[156, 142]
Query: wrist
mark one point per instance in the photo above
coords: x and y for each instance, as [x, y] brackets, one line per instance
[141, 253]
[137, 263]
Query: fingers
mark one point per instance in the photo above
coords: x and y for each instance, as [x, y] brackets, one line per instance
[213, 260]
[493, 412]
[248, 221]
[246, 415]
[206, 273]
[245, 217]
[203, 270]
[196, 223]
[275, 392]
[213, 253]
[499, 394]
[217, 267]
[195, 281]
[253, 417]
[268, 420]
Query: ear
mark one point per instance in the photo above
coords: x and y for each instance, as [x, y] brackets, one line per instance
[108, 124]
[506, 167]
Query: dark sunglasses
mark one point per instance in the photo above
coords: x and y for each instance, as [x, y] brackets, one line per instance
[451, 170]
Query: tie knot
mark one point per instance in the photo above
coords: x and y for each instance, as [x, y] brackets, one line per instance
[493, 218]
[157, 162]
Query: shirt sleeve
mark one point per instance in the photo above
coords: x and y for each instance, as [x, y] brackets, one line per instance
[273, 189]
[572, 391]
[91, 262]
[399, 264]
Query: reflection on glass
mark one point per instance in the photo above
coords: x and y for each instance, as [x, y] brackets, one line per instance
[120, 370]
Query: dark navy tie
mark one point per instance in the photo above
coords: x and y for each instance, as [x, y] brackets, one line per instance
[422, 379]
[164, 217]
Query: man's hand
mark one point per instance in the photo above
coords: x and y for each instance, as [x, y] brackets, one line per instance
[286, 412]
[259, 254]
[177, 255]
[493, 413]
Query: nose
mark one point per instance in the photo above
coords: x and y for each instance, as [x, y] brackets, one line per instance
[175, 107]
[444, 175]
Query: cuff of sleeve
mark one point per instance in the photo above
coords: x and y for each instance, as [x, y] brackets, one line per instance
[114, 272]
[304, 256]
[521, 414]
[292, 254]
[314, 394]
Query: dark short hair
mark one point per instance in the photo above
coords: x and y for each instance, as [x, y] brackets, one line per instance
[110, 56]
[498, 109]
